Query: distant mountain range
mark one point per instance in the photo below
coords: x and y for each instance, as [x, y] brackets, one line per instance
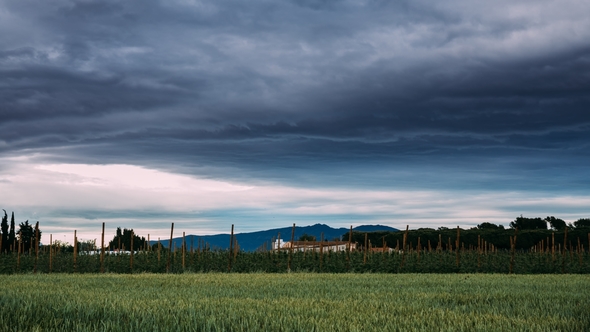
[254, 240]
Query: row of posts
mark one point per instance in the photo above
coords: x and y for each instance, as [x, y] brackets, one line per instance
[481, 248]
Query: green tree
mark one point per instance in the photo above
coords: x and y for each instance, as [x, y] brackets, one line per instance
[489, 225]
[306, 237]
[582, 223]
[4, 229]
[556, 223]
[85, 246]
[27, 235]
[125, 237]
[62, 246]
[523, 223]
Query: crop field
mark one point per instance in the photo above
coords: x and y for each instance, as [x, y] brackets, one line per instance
[294, 302]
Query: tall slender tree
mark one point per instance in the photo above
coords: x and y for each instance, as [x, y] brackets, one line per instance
[11, 234]
[4, 229]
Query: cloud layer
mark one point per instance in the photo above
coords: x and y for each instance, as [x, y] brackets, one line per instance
[83, 196]
[460, 96]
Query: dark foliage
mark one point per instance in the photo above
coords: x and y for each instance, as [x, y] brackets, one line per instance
[306, 237]
[4, 229]
[122, 240]
[500, 238]
[523, 223]
[489, 225]
[27, 236]
[12, 234]
[556, 223]
[582, 223]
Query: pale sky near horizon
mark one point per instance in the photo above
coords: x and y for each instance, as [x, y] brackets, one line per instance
[267, 113]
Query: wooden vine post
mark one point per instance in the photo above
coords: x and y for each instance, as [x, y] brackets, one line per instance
[512, 250]
[231, 244]
[478, 252]
[457, 243]
[131, 256]
[31, 243]
[349, 248]
[418, 249]
[405, 239]
[321, 249]
[291, 248]
[170, 248]
[18, 253]
[119, 248]
[579, 252]
[102, 250]
[366, 249]
[36, 246]
[563, 254]
[50, 251]
[553, 246]
[183, 250]
[75, 249]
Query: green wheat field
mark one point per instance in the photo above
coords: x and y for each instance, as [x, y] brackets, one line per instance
[294, 302]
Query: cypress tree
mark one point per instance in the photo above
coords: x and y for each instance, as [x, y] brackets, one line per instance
[4, 229]
[36, 235]
[11, 234]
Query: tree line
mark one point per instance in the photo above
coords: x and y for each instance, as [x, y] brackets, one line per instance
[551, 222]
[532, 231]
[529, 231]
[25, 238]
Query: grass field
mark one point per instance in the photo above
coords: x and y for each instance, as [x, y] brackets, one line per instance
[294, 302]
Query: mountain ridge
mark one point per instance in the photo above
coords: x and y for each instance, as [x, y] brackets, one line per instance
[251, 241]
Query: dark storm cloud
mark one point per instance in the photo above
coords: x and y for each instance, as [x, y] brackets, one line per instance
[289, 87]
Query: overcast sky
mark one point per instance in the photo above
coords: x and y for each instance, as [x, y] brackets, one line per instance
[265, 113]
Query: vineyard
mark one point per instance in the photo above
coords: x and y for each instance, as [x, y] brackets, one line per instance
[411, 254]
[410, 261]
[294, 302]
